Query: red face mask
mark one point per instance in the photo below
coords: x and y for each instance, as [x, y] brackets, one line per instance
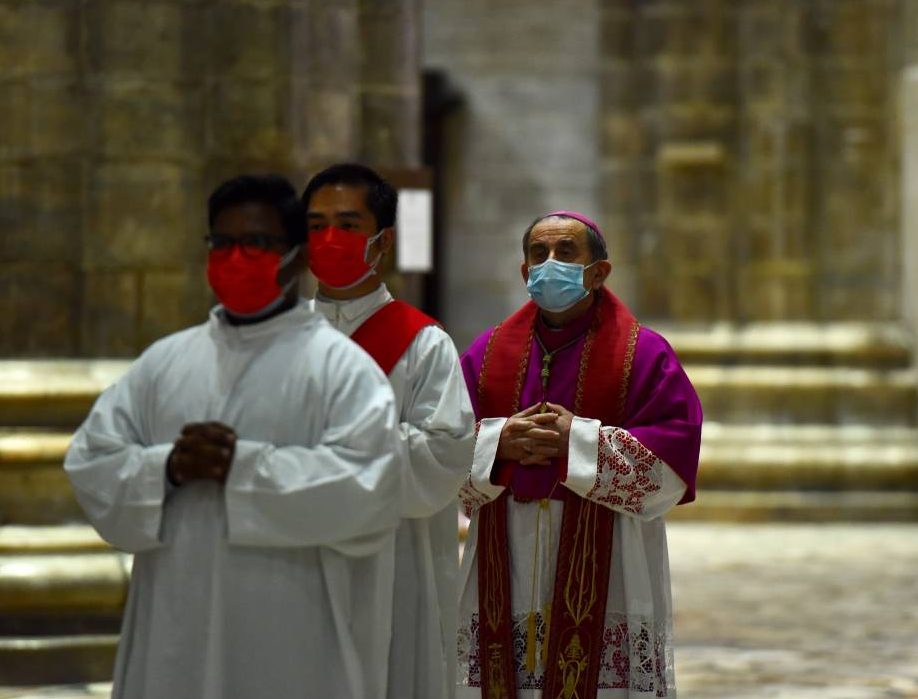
[246, 284]
[338, 257]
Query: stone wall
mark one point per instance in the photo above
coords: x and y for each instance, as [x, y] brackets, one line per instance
[751, 156]
[743, 155]
[119, 117]
[525, 140]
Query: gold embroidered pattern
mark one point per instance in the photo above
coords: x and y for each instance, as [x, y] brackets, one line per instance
[484, 364]
[493, 602]
[626, 368]
[521, 372]
[580, 597]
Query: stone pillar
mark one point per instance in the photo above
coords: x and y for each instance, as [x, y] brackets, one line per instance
[775, 254]
[856, 48]
[142, 211]
[124, 114]
[42, 176]
[525, 142]
[668, 126]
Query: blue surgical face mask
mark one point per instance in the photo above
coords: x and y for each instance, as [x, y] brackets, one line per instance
[556, 286]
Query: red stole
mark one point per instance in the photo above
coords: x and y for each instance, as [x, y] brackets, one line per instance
[389, 332]
[575, 628]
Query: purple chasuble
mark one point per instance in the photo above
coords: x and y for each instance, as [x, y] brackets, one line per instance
[662, 409]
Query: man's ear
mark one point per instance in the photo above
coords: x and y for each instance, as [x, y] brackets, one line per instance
[524, 271]
[601, 271]
[387, 240]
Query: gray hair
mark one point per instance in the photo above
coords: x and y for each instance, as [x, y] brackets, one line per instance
[595, 241]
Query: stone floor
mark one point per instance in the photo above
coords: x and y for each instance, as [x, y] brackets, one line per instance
[795, 611]
[777, 612]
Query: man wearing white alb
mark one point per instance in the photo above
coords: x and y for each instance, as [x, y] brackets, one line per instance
[351, 216]
[250, 464]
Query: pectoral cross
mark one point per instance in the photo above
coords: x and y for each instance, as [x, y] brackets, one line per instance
[545, 374]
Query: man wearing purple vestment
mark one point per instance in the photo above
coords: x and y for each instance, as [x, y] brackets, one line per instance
[540, 457]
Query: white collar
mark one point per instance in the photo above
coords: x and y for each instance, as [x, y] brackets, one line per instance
[300, 314]
[354, 309]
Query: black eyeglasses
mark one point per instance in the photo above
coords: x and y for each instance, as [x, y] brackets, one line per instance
[251, 245]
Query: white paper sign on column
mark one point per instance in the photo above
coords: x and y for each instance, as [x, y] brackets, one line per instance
[415, 230]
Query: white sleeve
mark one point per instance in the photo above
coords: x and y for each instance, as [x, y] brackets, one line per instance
[118, 477]
[341, 492]
[609, 466]
[437, 430]
[478, 489]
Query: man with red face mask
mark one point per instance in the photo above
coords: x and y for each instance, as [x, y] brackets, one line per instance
[351, 218]
[251, 465]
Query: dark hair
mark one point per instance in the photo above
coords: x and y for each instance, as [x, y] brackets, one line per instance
[381, 197]
[597, 245]
[272, 190]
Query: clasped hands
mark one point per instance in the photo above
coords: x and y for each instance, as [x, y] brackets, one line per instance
[533, 438]
[204, 451]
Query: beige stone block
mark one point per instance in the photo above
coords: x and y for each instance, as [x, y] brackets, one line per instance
[849, 297]
[686, 29]
[140, 215]
[149, 121]
[14, 211]
[41, 210]
[390, 43]
[325, 122]
[617, 33]
[135, 37]
[111, 313]
[624, 135]
[324, 44]
[250, 120]
[248, 41]
[699, 292]
[15, 134]
[625, 85]
[844, 82]
[855, 27]
[38, 309]
[390, 125]
[171, 300]
[58, 116]
[696, 239]
[780, 289]
[39, 38]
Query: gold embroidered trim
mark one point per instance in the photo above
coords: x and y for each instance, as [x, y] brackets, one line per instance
[484, 364]
[493, 602]
[626, 369]
[581, 371]
[521, 372]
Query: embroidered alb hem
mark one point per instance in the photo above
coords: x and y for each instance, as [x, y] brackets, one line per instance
[637, 654]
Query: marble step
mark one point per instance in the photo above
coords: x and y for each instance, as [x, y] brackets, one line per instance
[793, 344]
[766, 457]
[799, 506]
[33, 486]
[34, 489]
[843, 372]
[813, 395]
[72, 659]
[53, 393]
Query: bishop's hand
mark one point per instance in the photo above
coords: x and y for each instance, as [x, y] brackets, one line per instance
[564, 418]
[204, 451]
[530, 437]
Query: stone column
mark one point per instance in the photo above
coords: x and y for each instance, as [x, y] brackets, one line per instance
[668, 125]
[856, 49]
[42, 176]
[122, 115]
[525, 142]
[774, 248]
